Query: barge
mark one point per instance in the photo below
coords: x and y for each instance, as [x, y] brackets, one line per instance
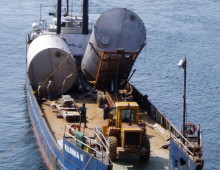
[92, 68]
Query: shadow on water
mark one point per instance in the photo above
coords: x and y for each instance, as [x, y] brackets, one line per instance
[20, 151]
[30, 141]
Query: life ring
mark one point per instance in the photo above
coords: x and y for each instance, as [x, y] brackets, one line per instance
[190, 128]
[75, 127]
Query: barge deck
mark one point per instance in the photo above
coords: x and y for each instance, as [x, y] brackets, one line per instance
[158, 136]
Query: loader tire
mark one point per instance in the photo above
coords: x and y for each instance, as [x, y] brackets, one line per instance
[112, 141]
[146, 144]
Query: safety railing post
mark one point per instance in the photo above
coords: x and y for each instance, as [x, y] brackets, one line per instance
[102, 152]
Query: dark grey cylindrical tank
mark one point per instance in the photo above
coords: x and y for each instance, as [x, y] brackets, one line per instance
[49, 58]
[119, 31]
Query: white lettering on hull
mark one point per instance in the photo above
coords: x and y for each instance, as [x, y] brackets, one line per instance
[73, 152]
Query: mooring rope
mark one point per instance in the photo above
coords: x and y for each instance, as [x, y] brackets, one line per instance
[88, 162]
[71, 74]
[53, 72]
[6, 152]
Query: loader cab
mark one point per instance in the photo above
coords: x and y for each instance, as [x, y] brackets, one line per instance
[126, 112]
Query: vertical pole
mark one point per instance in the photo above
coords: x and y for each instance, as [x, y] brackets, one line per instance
[184, 100]
[59, 4]
[67, 7]
[199, 136]
[102, 152]
[85, 29]
[40, 11]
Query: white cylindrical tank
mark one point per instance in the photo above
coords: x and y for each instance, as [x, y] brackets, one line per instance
[49, 58]
[117, 28]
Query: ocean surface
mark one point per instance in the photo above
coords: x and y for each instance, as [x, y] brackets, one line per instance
[175, 29]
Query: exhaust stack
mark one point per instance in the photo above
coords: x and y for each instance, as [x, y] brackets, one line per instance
[59, 4]
[85, 17]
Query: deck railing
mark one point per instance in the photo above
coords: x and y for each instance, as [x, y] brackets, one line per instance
[89, 143]
[102, 139]
[161, 119]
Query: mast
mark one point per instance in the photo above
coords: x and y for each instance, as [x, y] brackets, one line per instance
[59, 4]
[184, 100]
[182, 64]
[67, 8]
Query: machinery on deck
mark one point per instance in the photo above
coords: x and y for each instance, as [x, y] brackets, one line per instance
[122, 127]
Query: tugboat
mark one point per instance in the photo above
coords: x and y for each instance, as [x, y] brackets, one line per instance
[85, 113]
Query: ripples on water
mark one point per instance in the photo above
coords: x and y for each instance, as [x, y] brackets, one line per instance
[174, 30]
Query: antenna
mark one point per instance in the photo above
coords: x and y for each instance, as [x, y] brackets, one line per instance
[40, 11]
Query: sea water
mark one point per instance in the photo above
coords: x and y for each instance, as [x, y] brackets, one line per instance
[175, 29]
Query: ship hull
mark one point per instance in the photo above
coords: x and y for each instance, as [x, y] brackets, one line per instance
[178, 159]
